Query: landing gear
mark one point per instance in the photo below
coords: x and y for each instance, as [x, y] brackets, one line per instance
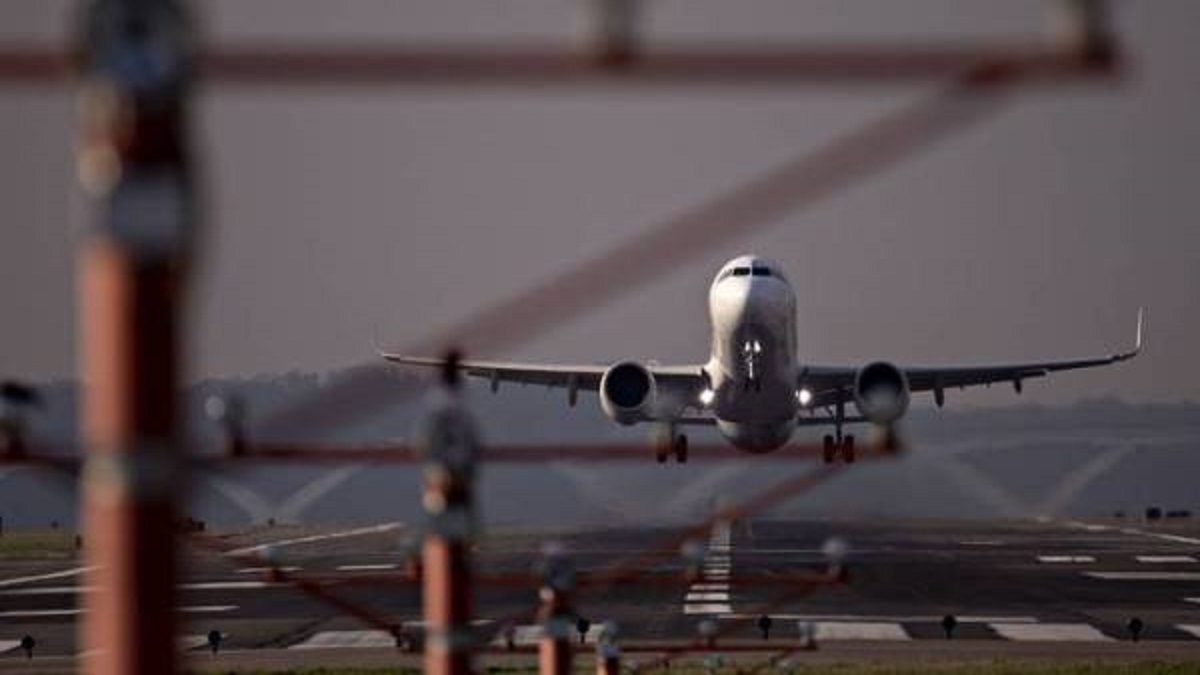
[670, 444]
[681, 448]
[835, 446]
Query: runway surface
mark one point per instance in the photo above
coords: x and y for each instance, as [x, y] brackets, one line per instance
[1065, 584]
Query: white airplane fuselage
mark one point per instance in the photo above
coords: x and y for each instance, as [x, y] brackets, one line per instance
[753, 368]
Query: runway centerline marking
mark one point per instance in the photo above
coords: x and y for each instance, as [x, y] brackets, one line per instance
[17, 581]
[341, 534]
[1066, 559]
[1049, 632]
[1144, 576]
[1191, 628]
[380, 567]
[268, 570]
[9, 645]
[883, 618]
[1165, 559]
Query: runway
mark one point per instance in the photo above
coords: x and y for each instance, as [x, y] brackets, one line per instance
[1010, 586]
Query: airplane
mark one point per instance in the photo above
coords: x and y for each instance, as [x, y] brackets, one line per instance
[753, 387]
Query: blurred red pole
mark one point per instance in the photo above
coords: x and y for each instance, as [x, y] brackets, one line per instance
[448, 444]
[134, 160]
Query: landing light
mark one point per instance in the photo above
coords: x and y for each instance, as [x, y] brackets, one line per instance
[804, 396]
[707, 396]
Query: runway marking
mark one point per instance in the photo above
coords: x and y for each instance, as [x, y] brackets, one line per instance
[707, 597]
[1066, 559]
[76, 611]
[226, 585]
[1049, 632]
[49, 590]
[710, 595]
[39, 613]
[339, 639]
[1134, 531]
[1144, 576]
[1190, 628]
[1164, 559]
[707, 608]
[341, 534]
[1192, 600]
[187, 643]
[207, 609]
[981, 542]
[526, 635]
[367, 568]
[860, 630]
[194, 586]
[268, 570]
[9, 645]
[878, 618]
[17, 581]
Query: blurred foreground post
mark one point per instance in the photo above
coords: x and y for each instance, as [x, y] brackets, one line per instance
[554, 648]
[134, 162]
[450, 447]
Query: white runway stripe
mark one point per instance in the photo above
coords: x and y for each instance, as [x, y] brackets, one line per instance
[187, 643]
[707, 608]
[527, 635]
[49, 590]
[707, 597]
[340, 534]
[227, 585]
[860, 630]
[17, 581]
[39, 613]
[879, 618]
[76, 611]
[1163, 559]
[1049, 632]
[9, 645]
[337, 639]
[710, 587]
[367, 568]
[267, 570]
[1145, 576]
[1066, 559]
[194, 586]
[1190, 628]
[1192, 600]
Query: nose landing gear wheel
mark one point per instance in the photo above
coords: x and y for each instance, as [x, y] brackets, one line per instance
[661, 451]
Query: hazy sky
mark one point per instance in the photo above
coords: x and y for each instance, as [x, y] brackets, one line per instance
[339, 214]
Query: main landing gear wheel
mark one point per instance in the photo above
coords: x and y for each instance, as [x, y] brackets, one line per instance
[661, 450]
[681, 448]
[828, 451]
[848, 449]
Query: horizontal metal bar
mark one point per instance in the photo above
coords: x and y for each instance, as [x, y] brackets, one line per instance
[678, 65]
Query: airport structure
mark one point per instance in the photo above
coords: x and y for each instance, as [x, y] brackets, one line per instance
[136, 64]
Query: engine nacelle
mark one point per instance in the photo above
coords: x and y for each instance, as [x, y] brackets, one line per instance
[881, 392]
[627, 392]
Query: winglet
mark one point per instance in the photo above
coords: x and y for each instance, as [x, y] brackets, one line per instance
[1141, 324]
[1139, 337]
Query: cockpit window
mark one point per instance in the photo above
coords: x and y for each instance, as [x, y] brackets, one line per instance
[762, 271]
[741, 271]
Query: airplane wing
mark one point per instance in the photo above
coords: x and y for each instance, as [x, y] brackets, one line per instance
[832, 384]
[684, 381]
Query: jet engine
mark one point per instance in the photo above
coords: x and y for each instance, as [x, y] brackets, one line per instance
[881, 392]
[627, 392]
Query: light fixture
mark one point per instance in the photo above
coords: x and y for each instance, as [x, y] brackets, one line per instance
[707, 396]
[804, 396]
